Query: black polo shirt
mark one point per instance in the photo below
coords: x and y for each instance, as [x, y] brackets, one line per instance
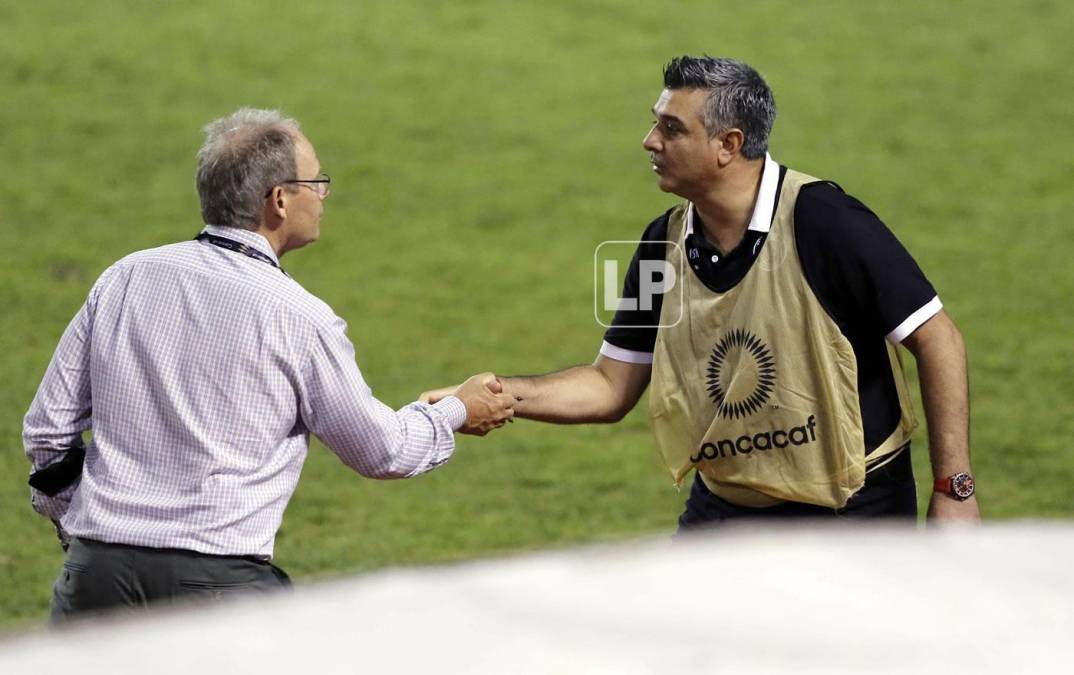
[865, 279]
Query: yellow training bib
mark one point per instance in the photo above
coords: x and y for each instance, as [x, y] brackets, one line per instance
[757, 387]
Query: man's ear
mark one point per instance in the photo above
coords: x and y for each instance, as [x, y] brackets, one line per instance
[275, 205]
[730, 142]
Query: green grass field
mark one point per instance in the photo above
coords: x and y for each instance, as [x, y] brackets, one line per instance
[479, 152]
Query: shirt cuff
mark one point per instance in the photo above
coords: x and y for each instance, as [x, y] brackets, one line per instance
[54, 508]
[453, 410]
[914, 321]
[625, 355]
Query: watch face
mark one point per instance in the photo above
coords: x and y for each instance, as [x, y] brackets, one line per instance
[962, 485]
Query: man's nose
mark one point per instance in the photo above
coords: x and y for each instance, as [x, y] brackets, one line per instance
[650, 142]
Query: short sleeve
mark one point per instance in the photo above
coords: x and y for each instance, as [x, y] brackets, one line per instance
[860, 272]
[633, 332]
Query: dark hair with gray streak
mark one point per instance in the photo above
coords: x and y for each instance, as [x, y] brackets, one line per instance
[738, 98]
[245, 155]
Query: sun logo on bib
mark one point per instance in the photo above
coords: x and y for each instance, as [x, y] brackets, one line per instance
[741, 374]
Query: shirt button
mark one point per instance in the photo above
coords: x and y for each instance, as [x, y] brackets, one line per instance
[715, 258]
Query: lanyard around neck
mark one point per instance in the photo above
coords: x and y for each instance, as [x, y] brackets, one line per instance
[239, 247]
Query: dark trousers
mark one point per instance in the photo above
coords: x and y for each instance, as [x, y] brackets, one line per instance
[97, 577]
[889, 492]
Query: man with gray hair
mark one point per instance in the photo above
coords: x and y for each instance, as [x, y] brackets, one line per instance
[773, 359]
[201, 369]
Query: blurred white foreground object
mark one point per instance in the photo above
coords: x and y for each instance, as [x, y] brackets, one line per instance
[996, 599]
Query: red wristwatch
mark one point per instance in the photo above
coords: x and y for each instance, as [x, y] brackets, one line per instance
[960, 486]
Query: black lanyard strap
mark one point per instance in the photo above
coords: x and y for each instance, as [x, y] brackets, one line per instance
[238, 247]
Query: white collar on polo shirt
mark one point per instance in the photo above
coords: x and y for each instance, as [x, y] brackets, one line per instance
[761, 220]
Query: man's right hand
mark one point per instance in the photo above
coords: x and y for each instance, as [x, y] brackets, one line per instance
[487, 407]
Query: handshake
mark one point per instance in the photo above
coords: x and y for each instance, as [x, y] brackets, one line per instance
[487, 406]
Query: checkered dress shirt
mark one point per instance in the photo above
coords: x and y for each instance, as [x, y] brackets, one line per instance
[201, 372]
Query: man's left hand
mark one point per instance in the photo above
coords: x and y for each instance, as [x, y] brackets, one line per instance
[945, 508]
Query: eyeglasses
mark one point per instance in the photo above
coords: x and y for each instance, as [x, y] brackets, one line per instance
[320, 185]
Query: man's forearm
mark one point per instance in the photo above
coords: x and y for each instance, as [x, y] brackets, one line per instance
[941, 363]
[601, 392]
[571, 396]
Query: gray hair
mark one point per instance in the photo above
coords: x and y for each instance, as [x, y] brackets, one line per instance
[244, 156]
[738, 98]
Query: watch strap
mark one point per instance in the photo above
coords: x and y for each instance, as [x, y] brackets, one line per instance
[942, 485]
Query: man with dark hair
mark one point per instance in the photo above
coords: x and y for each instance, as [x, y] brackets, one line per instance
[774, 364]
[202, 368]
